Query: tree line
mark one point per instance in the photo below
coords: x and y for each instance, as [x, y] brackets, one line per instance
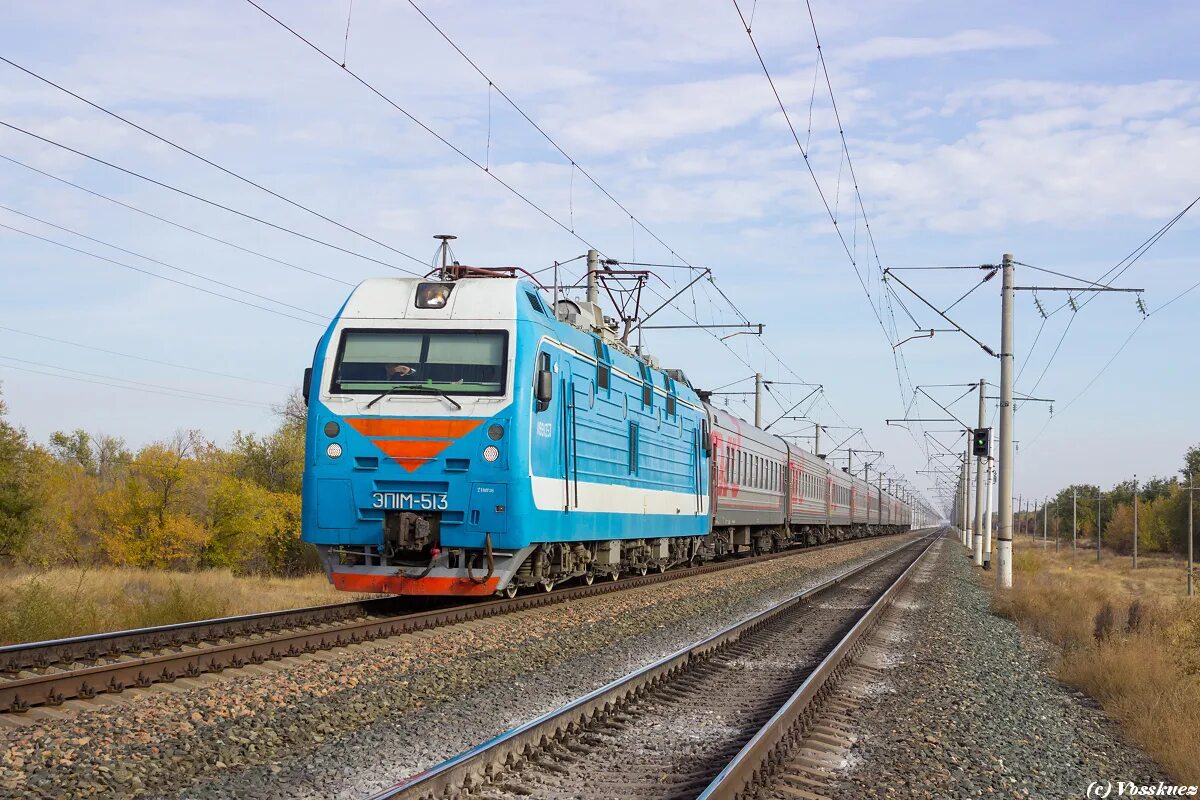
[1162, 511]
[187, 503]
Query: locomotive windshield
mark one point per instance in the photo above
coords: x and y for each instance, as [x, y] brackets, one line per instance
[453, 362]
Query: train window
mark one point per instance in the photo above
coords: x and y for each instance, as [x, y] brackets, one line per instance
[603, 370]
[633, 448]
[458, 362]
[647, 387]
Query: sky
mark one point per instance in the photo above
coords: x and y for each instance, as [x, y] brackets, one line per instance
[1066, 134]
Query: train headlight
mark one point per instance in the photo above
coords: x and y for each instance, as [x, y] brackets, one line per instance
[495, 432]
[433, 295]
[491, 453]
[334, 450]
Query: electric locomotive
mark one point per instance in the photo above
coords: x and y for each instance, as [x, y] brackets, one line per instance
[463, 439]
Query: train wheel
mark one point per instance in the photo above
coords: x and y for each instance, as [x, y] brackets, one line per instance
[510, 591]
[661, 568]
[614, 575]
[589, 578]
[547, 586]
[643, 569]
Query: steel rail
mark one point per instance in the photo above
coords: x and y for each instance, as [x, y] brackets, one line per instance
[755, 764]
[478, 765]
[211, 646]
[90, 647]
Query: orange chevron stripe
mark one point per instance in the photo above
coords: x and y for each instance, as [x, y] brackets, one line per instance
[439, 428]
[412, 453]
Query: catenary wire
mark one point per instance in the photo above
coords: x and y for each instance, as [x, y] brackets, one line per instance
[173, 223]
[153, 388]
[549, 139]
[208, 161]
[171, 267]
[205, 200]
[141, 358]
[156, 275]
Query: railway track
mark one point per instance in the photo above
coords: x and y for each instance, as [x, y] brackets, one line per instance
[51, 673]
[708, 721]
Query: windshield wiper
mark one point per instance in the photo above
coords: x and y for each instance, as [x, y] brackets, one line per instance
[417, 390]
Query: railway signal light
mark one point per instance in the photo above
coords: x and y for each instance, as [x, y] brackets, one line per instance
[981, 444]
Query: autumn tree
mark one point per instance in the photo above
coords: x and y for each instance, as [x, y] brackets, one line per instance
[18, 499]
[1191, 465]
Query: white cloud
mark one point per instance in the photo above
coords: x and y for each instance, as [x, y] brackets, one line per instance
[1059, 154]
[885, 48]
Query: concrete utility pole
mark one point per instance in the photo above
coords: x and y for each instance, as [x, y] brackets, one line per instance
[978, 538]
[593, 268]
[758, 387]
[1192, 486]
[1135, 521]
[1191, 491]
[817, 441]
[1004, 576]
[1046, 525]
[967, 495]
[987, 515]
[1099, 496]
[1074, 517]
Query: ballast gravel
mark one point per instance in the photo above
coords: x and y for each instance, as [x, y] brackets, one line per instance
[970, 708]
[348, 722]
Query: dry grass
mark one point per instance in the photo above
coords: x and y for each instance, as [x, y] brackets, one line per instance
[71, 602]
[1128, 638]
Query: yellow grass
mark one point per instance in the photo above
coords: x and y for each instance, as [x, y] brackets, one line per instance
[70, 602]
[1128, 638]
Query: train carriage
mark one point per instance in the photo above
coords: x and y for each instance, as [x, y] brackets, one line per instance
[808, 497]
[749, 488]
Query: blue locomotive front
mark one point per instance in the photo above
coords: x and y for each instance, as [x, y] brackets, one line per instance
[464, 438]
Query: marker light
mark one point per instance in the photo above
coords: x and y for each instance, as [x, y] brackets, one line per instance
[495, 432]
[491, 453]
[433, 295]
[334, 450]
[332, 429]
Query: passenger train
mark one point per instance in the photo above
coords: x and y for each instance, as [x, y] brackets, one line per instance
[465, 437]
